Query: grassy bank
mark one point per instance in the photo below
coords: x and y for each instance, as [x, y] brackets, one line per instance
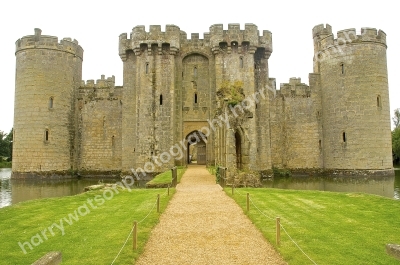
[165, 178]
[93, 226]
[331, 228]
[5, 164]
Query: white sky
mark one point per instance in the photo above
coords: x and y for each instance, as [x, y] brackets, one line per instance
[98, 24]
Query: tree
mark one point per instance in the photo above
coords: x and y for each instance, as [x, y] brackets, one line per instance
[6, 144]
[396, 137]
[396, 145]
[9, 141]
[396, 118]
[3, 145]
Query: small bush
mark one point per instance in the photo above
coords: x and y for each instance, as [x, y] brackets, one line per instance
[246, 179]
[5, 164]
[281, 172]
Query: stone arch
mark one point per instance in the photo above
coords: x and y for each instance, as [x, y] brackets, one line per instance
[187, 54]
[196, 142]
[240, 150]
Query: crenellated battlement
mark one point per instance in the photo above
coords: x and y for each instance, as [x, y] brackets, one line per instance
[249, 36]
[141, 40]
[324, 36]
[195, 39]
[322, 31]
[39, 41]
[102, 83]
[295, 88]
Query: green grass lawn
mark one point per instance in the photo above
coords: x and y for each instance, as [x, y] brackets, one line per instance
[165, 178]
[95, 237]
[331, 228]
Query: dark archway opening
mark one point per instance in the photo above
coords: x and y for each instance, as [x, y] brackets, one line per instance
[238, 144]
[196, 148]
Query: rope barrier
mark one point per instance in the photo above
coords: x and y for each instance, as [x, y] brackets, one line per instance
[268, 217]
[166, 191]
[126, 241]
[297, 245]
[154, 205]
[237, 190]
[260, 210]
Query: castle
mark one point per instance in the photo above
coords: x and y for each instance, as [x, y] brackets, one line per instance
[171, 100]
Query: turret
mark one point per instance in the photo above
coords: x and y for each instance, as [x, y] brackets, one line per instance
[355, 98]
[48, 73]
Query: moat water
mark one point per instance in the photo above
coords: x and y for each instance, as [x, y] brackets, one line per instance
[14, 191]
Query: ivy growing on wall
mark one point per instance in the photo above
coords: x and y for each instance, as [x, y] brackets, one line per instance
[231, 92]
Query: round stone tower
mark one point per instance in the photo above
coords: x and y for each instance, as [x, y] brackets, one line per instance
[48, 73]
[355, 99]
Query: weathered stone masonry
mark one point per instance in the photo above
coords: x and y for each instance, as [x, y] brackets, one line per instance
[64, 126]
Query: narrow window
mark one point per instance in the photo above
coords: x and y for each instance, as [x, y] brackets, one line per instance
[195, 97]
[320, 144]
[46, 135]
[147, 68]
[195, 71]
[51, 101]
[234, 46]
[113, 141]
[342, 68]
[344, 137]
[241, 62]
[161, 99]
[378, 101]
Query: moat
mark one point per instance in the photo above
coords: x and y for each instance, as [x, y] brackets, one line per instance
[14, 191]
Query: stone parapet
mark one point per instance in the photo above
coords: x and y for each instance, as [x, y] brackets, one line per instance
[39, 41]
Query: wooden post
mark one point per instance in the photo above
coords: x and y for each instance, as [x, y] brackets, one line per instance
[278, 231]
[134, 235]
[174, 172]
[158, 203]
[233, 189]
[248, 202]
[168, 189]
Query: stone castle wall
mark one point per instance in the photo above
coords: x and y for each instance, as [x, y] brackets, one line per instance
[48, 73]
[99, 126]
[340, 121]
[295, 118]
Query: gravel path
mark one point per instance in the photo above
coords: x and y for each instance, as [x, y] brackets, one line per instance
[202, 225]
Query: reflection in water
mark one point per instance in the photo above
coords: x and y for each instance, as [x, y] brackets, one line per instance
[383, 186]
[16, 190]
[5, 188]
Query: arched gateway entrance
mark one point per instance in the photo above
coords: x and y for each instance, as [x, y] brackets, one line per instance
[196, 148]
